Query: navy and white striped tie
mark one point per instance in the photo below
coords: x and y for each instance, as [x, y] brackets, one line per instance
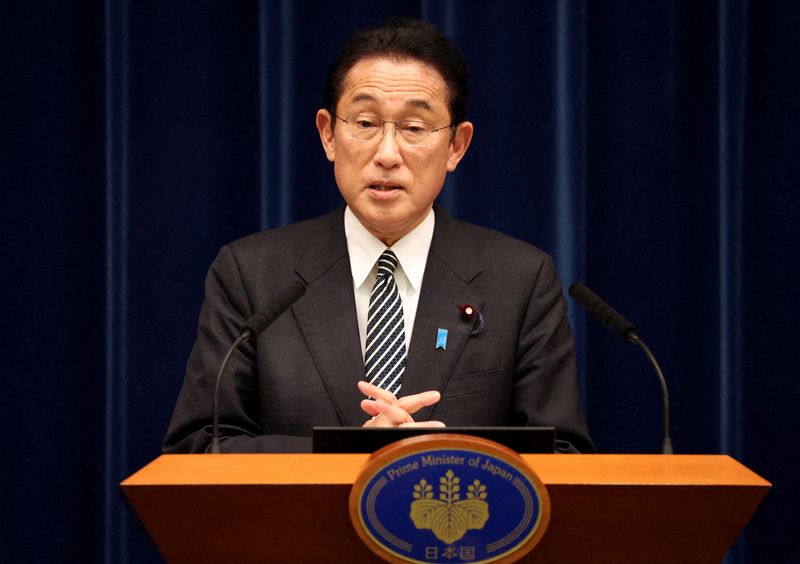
[385, 356]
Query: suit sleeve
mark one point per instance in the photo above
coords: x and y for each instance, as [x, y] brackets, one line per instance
[225, 309]
[545, 380]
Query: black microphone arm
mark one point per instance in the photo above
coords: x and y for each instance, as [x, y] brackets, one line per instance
[626, 331]
[253, 327]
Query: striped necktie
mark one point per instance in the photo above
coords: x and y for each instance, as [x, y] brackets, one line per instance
[385, 356]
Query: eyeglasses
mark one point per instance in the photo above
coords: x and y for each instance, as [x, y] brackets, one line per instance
[365, 127]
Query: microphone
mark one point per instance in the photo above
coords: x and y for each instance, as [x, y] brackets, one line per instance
[626, 331]
[620, 326]
[253, 327]
[269, 313]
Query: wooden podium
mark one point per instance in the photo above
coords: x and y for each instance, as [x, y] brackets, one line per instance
[294, 507]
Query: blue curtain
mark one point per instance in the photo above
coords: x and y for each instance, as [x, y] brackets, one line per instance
[652, 147]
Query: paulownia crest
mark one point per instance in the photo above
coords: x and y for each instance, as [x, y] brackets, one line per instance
[449, 517]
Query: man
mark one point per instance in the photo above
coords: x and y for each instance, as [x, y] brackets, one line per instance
[410, 316]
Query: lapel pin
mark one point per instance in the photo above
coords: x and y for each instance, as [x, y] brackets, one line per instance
[468, 313]
[441, 339]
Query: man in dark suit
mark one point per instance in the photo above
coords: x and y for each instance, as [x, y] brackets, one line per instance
[457, 325]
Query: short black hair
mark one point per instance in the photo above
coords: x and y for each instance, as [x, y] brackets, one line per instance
[403, 39]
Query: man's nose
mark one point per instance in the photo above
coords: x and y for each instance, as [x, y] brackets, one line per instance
[387, 153]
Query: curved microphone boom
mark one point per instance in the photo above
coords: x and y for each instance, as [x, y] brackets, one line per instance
[626, 331]
[253, 327]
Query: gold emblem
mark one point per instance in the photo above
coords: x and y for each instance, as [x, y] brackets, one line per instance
[449, 517]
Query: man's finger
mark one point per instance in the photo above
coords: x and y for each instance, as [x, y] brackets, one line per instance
[413, 403]
[373, 391]
[423, 424]
[369, 407]
[387, 415]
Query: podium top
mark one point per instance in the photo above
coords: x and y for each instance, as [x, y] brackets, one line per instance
[562, 469]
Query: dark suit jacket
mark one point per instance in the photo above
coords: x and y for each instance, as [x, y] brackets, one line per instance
[302, 372]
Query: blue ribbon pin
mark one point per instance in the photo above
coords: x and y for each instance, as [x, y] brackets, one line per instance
[441, 339]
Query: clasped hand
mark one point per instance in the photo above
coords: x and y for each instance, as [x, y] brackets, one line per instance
[388, 411]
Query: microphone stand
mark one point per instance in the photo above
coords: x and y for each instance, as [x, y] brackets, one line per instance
[215, 409]
[666, 443]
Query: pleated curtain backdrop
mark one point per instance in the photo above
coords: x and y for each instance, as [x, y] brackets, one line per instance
[651, 147]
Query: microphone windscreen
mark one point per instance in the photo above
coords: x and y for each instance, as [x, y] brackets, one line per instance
[602, 311]
[269, 313]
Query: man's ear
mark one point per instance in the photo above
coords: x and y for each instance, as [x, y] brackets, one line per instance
[326, 133]
[459, 144]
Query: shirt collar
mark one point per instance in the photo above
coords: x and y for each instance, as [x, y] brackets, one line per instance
[365, 249]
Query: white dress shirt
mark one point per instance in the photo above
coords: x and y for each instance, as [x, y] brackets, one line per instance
[365, 250]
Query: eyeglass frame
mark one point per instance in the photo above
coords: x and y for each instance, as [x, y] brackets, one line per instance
[396, 124]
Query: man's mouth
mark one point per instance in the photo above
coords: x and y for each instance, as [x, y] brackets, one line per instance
[383, 187]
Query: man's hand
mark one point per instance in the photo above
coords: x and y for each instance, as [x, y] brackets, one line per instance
[388, 411]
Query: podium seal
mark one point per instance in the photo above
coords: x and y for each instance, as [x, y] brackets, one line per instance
[448, 498]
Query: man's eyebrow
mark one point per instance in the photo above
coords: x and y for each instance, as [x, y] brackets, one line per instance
[419, 103]
[364, 97]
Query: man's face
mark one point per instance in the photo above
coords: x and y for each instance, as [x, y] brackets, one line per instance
[388, 184]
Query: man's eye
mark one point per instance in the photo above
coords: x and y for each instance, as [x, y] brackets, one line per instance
[413, 128]
[364, 123]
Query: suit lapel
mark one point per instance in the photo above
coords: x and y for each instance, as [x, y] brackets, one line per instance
[327, 317]
[446, 286]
